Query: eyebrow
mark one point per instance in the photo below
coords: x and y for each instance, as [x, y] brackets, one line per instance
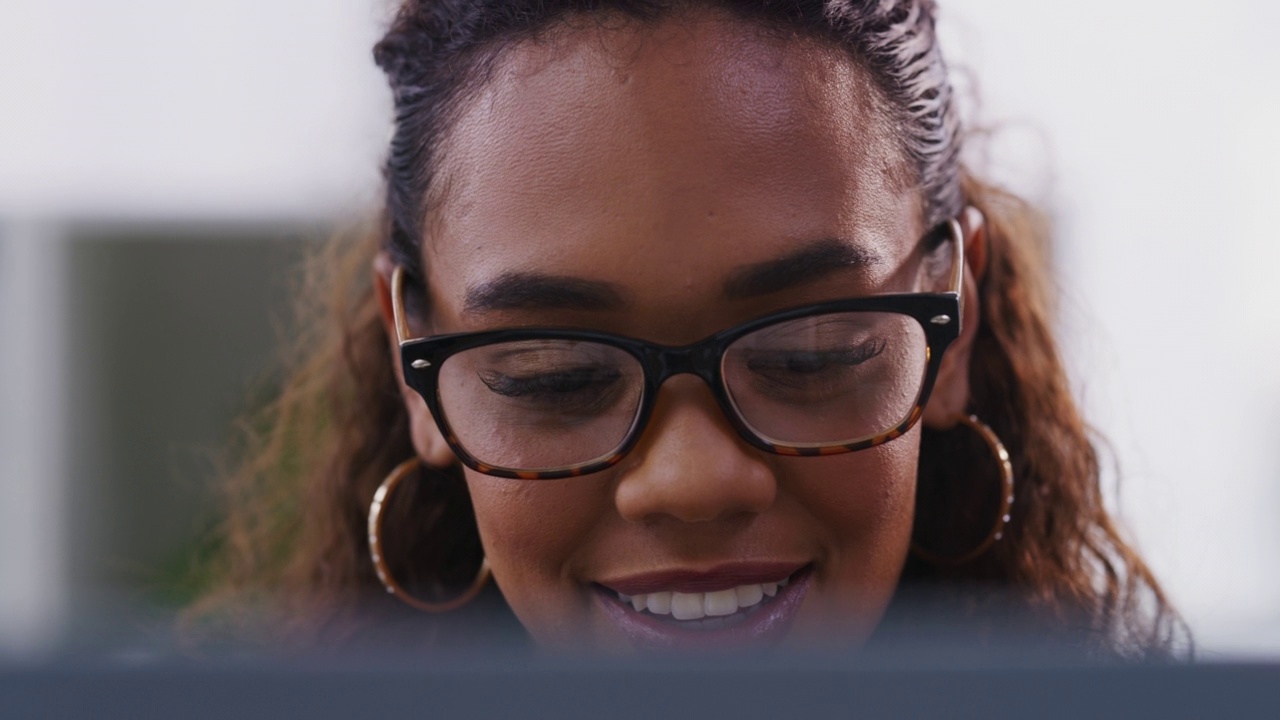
[811, 262]
[536, 291]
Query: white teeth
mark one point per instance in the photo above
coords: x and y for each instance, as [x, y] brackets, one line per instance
[749, 595]
[687, 606]
[694, 606]
[721, 602]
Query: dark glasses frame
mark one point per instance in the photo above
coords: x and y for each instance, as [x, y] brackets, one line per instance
[937, 313]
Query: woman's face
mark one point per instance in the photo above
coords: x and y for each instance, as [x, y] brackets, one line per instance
[661, 164]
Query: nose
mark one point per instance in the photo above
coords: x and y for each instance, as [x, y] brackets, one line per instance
[690, 464]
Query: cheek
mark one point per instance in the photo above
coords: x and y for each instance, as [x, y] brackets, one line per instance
[425, 434]
[863, 505]
[869, 498]
[533, 533]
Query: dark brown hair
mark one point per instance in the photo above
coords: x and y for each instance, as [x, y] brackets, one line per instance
[295, 534]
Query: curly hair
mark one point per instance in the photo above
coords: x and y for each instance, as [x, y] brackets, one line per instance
[296, 525]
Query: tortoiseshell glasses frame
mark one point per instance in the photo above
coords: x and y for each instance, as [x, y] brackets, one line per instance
[937, 313]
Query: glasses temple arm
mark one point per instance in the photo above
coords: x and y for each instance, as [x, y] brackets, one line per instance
[957, 266]
[397, 305]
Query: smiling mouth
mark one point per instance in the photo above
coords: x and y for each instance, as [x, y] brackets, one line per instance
[706, 610]
[734, 607]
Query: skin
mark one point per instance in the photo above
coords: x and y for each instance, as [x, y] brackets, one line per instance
[661, 159]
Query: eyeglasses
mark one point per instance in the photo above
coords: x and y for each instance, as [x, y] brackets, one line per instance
[823, 379]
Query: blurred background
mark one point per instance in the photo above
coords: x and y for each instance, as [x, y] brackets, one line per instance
[163, 165]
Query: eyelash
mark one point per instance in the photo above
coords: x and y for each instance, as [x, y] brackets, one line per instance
[547, 384]
[855, 356]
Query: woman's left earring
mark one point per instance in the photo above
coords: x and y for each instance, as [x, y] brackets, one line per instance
[402, 471]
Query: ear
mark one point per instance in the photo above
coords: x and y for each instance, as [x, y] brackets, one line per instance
[428, 442]
[950, 394]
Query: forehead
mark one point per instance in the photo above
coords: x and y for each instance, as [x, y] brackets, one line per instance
[661, 156]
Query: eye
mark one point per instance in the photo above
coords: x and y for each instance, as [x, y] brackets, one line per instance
[553, 384]
[799, 363]
[805, 361]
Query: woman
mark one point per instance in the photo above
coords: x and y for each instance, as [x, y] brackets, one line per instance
[686, 329]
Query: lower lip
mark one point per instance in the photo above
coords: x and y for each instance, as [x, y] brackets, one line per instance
[763, 626]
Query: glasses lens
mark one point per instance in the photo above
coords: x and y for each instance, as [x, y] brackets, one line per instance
[541, 405]
[827, 379]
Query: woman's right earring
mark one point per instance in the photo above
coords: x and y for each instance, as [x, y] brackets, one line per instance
[379, 560]
[1004, 515]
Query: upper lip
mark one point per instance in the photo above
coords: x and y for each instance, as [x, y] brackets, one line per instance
[720, 577]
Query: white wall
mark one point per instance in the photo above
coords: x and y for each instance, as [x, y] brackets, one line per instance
[33, 552]
[1145, 126]
[154, 108]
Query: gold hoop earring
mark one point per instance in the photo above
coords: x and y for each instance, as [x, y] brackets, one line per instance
[1005, 469]
[379, 562]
